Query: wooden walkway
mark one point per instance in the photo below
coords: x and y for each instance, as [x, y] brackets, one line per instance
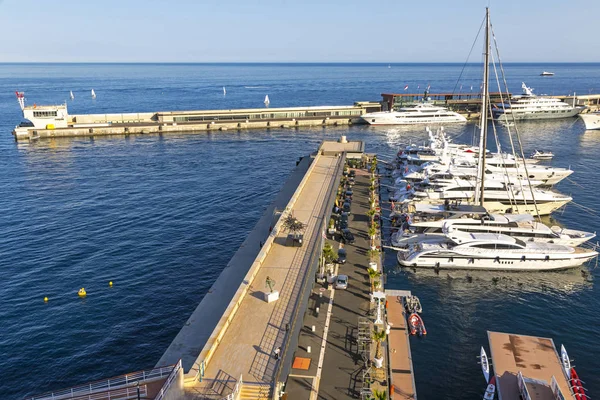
[535, 357]
[402, 376]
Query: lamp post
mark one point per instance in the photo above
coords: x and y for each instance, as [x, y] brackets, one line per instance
[137, 387]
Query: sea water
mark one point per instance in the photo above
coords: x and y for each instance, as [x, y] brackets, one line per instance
[160, 216]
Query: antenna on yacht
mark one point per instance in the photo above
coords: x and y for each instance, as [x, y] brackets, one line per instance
[21, 99]
[479, 190]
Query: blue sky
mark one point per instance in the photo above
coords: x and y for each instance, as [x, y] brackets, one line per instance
[294, 31]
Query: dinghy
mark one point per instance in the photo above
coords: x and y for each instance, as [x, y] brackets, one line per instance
[417, 327]
[413, 305]
[490, 391]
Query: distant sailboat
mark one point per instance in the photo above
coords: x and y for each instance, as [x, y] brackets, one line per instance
[93, 94]
[71, 95]
[267, 102]
[224, 91]
[389, 66]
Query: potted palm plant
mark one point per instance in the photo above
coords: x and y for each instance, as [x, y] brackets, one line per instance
[373, 275]
[379, 395]
[378, 337]
[331, 228]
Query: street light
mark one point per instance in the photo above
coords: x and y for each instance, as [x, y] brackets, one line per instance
[137, 386]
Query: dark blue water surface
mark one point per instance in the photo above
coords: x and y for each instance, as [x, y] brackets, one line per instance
[160, 216]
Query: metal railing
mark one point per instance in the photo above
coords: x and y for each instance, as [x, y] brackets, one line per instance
[169, 381]
[235, 395]
[112, 384]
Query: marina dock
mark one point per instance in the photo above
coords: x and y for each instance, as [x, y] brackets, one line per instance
[402, 379]
[527, 367]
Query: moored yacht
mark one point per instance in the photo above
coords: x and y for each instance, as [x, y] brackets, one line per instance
[490, 251]
[423, 113]
[591, 120]
[529, 106]
[521, 226]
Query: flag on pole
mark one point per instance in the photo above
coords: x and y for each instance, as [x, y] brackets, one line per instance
[406, 87]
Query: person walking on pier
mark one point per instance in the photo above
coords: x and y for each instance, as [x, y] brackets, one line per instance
[277, 351]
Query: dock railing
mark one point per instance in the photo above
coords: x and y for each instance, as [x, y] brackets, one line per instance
[116, 385]
[221, 328]
[169, 381]
[237, 389]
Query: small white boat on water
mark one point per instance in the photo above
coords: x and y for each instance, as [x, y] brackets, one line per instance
[224, 91]
[267, 101]
[93, 94]
[546, 73]
[542, 155]
[490, 390]
[591, 120]
[71, 95]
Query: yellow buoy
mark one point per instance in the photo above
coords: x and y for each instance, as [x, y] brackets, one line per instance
[45, 299]
[110, 283]
[82, 292]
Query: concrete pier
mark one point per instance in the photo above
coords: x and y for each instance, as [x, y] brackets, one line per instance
[55, 121]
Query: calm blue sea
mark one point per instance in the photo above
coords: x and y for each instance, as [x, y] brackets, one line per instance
[161, 216]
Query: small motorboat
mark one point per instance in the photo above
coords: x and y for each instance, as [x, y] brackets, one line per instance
[417, 327]
[490, 391]
[566, 361]
[485, 364]
[542, 155]
[577, 385]
[546, 73]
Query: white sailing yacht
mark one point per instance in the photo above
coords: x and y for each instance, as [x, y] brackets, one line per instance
[93, 94]
[71, 95]
[267, 101]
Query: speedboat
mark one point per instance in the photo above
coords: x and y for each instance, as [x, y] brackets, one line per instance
[529, 106]
[423, 113]
[491, 251]
[591, 120]
[490, 391]
[417, 327]
[542, 155]
[546, 73]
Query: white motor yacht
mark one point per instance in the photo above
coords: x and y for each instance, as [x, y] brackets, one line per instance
[591, 120]
[423, 113]
[529, 106]
[499, 198]
[490, 251]
[521, 226]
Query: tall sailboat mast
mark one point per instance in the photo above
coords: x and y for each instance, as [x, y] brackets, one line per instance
[479, 189]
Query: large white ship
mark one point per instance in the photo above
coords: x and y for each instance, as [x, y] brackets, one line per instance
[423, 113]
[530, 106]
[591, 120]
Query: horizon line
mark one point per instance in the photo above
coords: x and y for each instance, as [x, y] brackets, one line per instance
[291, 62]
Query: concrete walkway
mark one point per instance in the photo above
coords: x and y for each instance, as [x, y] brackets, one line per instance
[258, 328]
